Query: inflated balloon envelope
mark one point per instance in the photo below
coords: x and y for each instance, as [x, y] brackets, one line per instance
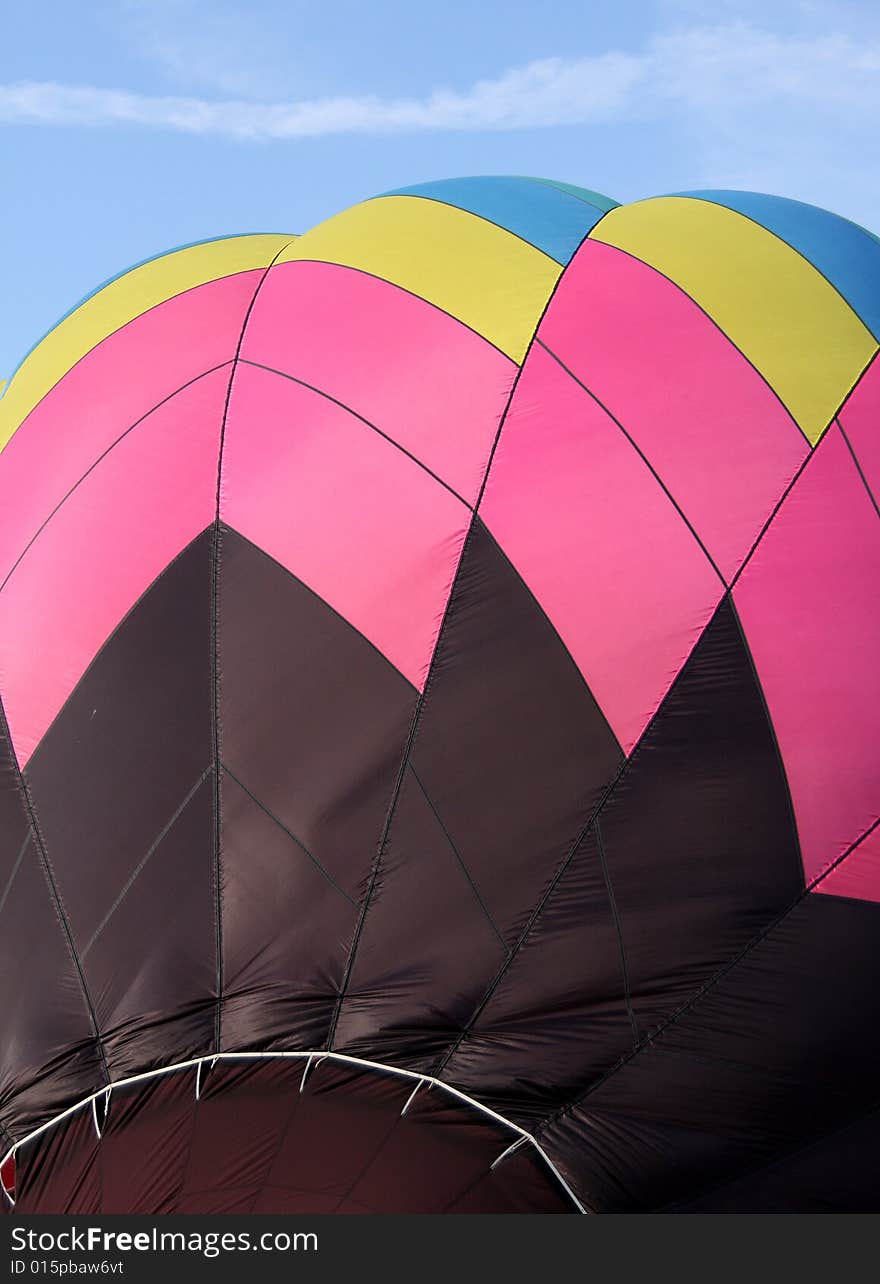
[440, 684]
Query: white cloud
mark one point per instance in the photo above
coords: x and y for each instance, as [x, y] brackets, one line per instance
[551, 92]
[712, 73]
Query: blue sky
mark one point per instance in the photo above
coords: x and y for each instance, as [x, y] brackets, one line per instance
[132, 126]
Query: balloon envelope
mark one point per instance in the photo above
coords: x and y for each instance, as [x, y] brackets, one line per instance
[438, 762]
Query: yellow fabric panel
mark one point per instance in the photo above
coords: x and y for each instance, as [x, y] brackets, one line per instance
[119, 302]
[775, 306]
[486, 277]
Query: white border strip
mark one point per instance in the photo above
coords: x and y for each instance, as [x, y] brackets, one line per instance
[317, 1056]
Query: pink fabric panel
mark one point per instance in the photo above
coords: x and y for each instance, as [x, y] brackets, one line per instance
[344, 510]
[117, 532]
[106, 392]
[599, 544]
[720, 440]
[422, 377]
[858, 875]
[810, 607]
[861, 423]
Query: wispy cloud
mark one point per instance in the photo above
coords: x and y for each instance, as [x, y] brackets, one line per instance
[544, 93]
[709, 70]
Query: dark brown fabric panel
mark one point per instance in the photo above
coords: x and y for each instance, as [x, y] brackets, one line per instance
[129, 743]
[313, 720]
[511, 746]
[559, 1014]
[153, 967]
[426, 948]
[286, 933]
[782, 1049]
[839, 1173]
[48, 1055]
[698, 833]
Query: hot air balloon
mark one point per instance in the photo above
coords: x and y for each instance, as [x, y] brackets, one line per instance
[439, 761]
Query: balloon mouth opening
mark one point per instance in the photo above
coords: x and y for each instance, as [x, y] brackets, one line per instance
[282, 1133]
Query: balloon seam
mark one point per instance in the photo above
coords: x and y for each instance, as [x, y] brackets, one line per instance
[464, 209]
[215, 652]
[719, 328]
[707, 985]
[283, 374]
[103, 455]
[54, 893]
[423, 695]
[651, 469]
[690, 196]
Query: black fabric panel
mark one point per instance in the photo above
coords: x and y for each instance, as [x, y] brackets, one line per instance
[559, 1015]
[511, 746]
[131, 740]
[698, 832]
[313, 719]
[152, 968]
[255, 1142]
[836, 1174]
[781, 1050]
[426, 949]
[286, 933]
[48, 1054]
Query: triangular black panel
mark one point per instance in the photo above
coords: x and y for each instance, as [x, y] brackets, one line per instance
[698, 832]
[130, 742]
[559, 1012]
[426, 949]
[511, 745]
[313, 719]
